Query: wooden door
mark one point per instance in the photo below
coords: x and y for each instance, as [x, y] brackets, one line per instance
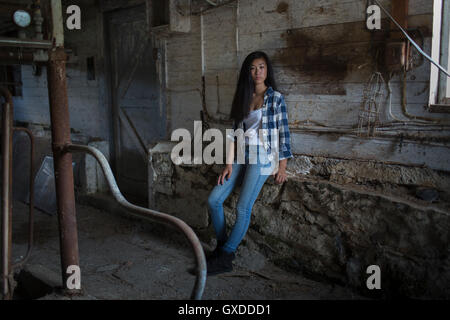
[139, 116]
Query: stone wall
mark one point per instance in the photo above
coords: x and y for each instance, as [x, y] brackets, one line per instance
[332, 219]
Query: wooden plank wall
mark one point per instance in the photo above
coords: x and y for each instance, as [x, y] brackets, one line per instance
[321, 54]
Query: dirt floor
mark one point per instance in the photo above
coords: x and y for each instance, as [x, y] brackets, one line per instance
[123, 258]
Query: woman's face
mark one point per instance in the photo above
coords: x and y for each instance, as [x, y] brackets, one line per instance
[258, 70]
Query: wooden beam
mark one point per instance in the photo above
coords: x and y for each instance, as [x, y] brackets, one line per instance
[439, 108]
[400, 14]
[149, 6]
[109, 5]
[134, 134]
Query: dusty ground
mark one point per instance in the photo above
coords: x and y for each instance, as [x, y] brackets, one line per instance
[121, 258]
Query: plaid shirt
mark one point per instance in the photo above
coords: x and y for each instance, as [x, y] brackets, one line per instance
[274, 116]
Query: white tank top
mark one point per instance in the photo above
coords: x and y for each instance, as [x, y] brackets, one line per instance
[252, 124]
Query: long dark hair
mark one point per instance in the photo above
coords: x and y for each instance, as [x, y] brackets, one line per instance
[246, 87]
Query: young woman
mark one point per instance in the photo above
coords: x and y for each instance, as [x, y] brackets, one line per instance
[260, 111]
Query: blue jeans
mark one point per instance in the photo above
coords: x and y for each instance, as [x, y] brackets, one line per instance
[251, 178]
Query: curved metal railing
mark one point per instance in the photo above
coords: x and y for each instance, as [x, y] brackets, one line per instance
[151, 215]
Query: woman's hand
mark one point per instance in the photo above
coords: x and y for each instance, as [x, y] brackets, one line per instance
[280, 175]
[226, 172]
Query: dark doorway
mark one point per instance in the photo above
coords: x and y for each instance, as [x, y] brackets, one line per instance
[139, 115]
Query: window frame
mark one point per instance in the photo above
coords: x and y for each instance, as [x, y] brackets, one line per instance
[439, 82]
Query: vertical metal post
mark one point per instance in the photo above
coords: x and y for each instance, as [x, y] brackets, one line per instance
[59, 114]
[31, 201]
[6, 191]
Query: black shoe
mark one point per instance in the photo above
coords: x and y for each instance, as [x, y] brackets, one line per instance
[209, 256]
[215, 252]
[220, 262]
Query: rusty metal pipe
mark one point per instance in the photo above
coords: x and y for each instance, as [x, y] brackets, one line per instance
[13, 57]
[7, 120]
[31, 201]
[64, 183]
[151, 215]
[18, 57]
[25, 43]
